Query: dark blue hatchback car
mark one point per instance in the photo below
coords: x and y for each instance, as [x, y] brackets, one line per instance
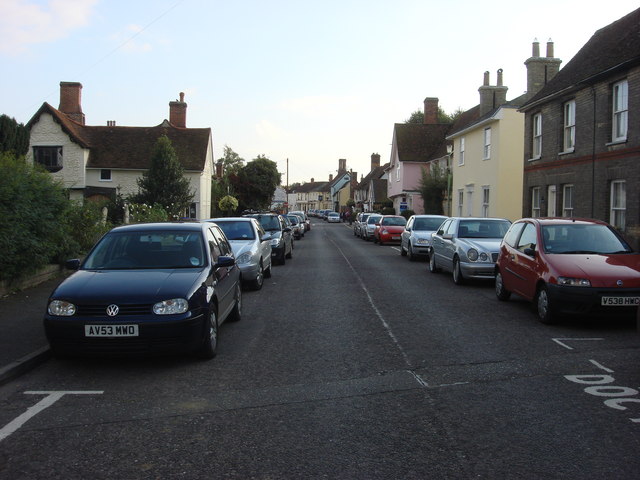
[155, 287]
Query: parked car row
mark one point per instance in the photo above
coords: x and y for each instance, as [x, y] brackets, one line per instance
[166, 287]
[562, 265]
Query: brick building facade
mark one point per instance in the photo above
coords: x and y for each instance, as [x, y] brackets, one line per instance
[582, 135]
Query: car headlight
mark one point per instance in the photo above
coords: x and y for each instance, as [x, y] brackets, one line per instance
[574, 282]
[423, 241]
[244, 258]
[171, 307]
[473, 255]
[274, 242]
[60, 308]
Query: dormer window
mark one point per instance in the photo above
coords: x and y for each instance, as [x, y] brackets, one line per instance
[49, 157]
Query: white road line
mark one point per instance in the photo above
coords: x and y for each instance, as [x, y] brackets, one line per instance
[375, 308]
[562, 344]
[602, 367]
[51, 398]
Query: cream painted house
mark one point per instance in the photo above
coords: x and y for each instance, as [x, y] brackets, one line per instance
[487, 176]
[96, 162]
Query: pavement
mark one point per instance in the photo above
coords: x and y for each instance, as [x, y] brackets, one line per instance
[23, 344]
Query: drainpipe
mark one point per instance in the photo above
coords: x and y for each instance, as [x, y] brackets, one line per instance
[593, 154]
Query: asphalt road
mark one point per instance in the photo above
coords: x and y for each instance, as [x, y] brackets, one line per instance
[351, 363]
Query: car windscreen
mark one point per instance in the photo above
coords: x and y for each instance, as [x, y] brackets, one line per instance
[373, 219]
[394, 221]
[581, 239]
[237, 230]
[147, 250]
[483, 228]
[427, 224]
[269, 222]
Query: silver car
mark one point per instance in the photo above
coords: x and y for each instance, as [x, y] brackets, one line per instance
[367, 229]
[416, 238]
[468, 247]
[250, 246]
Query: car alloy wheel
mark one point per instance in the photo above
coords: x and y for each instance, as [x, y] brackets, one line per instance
[210, 341]
[544, 306]
[403, 252]
[432, 262]
[236, 313]
[458, 279]
[259, 280]
[501, 292]
[410, 254]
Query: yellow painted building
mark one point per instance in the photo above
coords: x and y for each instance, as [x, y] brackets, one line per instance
[487, 165]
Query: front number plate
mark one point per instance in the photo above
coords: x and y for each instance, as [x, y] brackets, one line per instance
[111, 330]
[620, 301]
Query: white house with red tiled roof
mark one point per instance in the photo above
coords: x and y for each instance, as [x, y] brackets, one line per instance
[101, 161]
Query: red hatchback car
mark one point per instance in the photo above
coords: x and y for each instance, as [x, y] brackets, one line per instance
[389, 228]
[565, 265]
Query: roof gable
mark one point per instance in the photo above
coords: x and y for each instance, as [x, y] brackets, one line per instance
[420, 142]
[131, 147]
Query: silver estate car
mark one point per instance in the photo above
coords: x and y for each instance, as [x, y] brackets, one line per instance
[468, 247]
[250, 246]
[416, 238]
[367, 229]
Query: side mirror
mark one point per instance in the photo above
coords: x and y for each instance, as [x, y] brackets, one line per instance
[531, 252]
[72, 264]
[286, 229]
[448, 236]
[224, 261]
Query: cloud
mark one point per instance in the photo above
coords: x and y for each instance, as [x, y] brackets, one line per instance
[24, 23]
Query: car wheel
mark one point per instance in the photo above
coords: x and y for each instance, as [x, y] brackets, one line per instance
[432, 262]
[380, 242]
[236, 313]
[257, 282]
[290, 254]
[282, 257]
[410, 254]
[267, 272]
[210, 341]
[501, 292]
[403, 252]
[544, 307]
[458, 279]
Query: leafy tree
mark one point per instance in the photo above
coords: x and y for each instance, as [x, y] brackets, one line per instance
[433, 187]
[164, 184]
[14, 136]
[231, 164]
[256, 183]
[443, 117]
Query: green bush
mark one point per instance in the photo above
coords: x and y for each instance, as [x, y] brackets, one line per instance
[32, 206]
[85, 225]
[407, 213]
[388, 211]
[143, 213]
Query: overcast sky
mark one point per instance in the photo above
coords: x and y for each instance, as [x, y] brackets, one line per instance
[311, 81]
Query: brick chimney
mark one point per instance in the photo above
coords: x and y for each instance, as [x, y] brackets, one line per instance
[70, 101]
[331, 177]
[375, 161]
[178, 112]
[430, 111]
[491, 97]
[540, 70]
[342, 165]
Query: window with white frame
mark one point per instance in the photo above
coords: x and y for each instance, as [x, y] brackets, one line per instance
[618, 204]
[567, 201]
[461, 157]
[460, 201]
[485, 201]
[620, 111]
[487, 144]
[398, 172]
[105, 175]
[537, 135]
[535, 202]
[569, 138]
